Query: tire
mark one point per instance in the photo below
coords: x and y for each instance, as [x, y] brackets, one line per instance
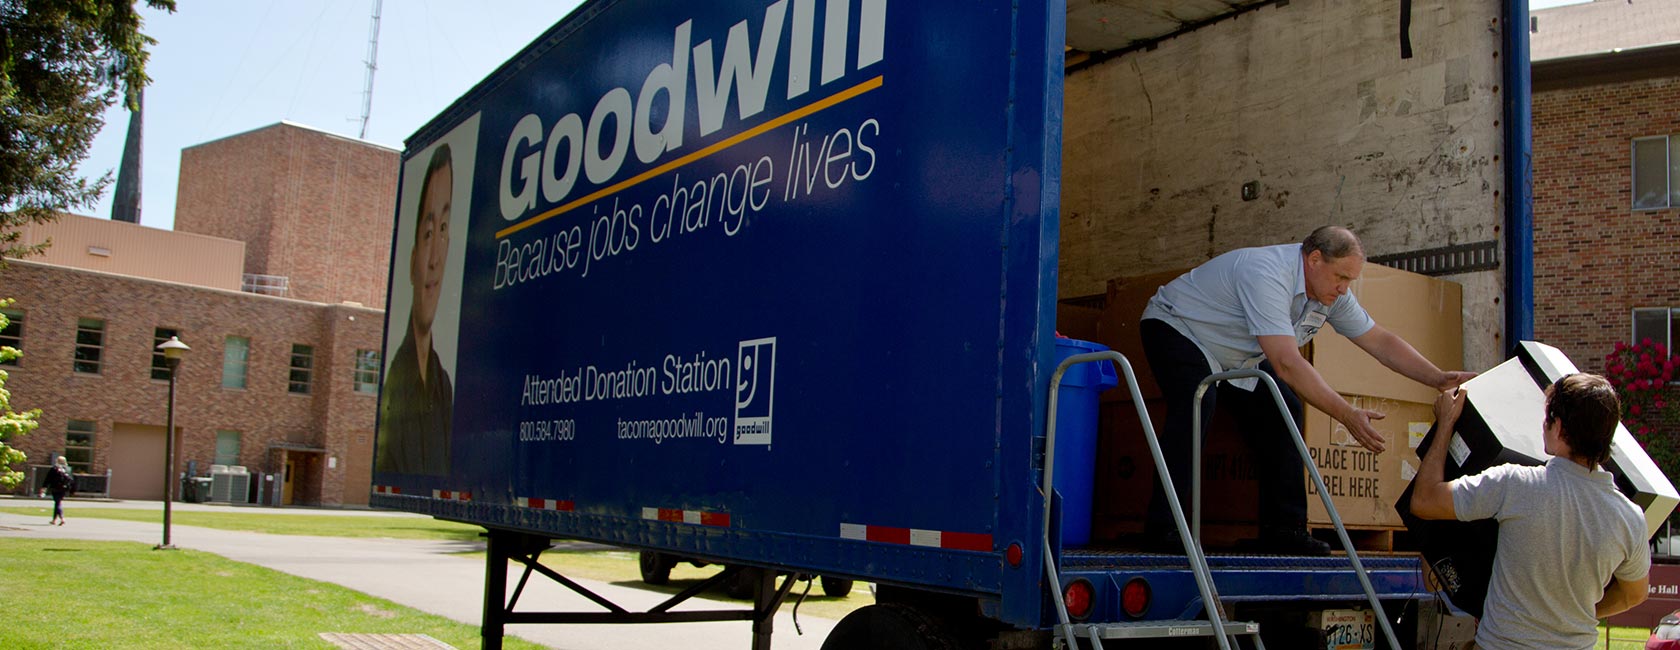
[836, 587]
[656, 567]
[889, 627]
[743, 583]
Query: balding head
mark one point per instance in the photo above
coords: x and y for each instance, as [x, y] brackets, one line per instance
[1335, 242]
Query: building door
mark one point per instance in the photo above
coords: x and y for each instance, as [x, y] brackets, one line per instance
[286, 480]
[137, 461]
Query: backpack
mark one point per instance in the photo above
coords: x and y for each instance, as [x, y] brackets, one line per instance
[60, 480]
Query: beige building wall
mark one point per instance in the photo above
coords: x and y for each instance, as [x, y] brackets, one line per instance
[134, 250]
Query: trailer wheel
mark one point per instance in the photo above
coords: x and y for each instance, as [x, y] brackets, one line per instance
[889, 627]
[656, 567]
[742, 584]
[836, 587]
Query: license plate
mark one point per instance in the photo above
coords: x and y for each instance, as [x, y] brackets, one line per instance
[1348, 629]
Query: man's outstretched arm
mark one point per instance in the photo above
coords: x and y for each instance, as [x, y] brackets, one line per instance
[1431, 493]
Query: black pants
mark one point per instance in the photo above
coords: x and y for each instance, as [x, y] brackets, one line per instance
[1179, 367]
[58, 505]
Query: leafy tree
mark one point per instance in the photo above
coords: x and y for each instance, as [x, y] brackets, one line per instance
[12, 424]
[62, 63]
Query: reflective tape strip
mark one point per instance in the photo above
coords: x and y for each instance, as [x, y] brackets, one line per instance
[917, 537]
[451, 495]
[386, 489]
[545, 504]
[694, 517]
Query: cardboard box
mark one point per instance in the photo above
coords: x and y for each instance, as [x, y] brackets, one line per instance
[1362, 483]
[1117, 327]
[1125, 476]
[1426, 312]
[1077, 322]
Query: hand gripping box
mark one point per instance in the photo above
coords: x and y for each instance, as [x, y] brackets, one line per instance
[1503, 423]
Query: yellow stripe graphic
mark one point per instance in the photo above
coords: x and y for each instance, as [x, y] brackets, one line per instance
[738, 138]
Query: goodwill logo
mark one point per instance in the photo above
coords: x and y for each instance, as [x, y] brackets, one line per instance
[755, 383]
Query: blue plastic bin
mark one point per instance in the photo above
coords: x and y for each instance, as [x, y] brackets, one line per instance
[1076, 435]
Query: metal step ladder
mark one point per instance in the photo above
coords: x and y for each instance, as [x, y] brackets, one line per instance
[1215, 624]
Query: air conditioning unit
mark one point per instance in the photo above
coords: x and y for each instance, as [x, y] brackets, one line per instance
[230, 485]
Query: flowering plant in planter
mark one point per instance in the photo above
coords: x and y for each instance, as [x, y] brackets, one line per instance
[1641, 374]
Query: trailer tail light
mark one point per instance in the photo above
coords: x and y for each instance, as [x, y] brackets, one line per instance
[1134, 597]
[1013, 554]
[1079, 595]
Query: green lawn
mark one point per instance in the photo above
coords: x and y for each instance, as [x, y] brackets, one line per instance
[81, 594]
[257, 521]
[590, 561]
[1622, 638]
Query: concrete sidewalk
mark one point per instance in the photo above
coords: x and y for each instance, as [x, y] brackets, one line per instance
[427, 576]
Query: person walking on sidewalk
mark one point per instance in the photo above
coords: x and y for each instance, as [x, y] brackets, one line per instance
[60, 482]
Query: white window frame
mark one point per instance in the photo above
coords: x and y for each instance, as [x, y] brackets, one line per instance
[1671, 189]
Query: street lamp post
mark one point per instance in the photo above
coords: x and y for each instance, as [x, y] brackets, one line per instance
[173, 349]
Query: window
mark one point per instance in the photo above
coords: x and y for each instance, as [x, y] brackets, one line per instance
[367, 372]
[236, 355]
[78, 445]
[160, 366]
[227, 447]
[90, 344]
[11, 336]
[1659, 324]
[303, 358]
[1656, 172]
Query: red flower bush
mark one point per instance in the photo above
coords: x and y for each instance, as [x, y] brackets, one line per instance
[1650, 405]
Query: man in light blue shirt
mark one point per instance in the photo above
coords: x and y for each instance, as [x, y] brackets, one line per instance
[1255, 308]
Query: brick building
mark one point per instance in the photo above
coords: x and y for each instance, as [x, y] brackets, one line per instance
[269, 276]
[1606, 104]
[314, 209]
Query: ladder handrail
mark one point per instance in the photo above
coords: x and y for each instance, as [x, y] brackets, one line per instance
[1306, 459]
[1192, 546]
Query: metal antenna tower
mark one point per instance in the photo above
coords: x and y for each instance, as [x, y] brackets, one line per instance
[372, 59]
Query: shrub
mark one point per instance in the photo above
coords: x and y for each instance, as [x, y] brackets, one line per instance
[1650, 404]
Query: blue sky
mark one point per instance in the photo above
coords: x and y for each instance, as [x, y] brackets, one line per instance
[224, 67]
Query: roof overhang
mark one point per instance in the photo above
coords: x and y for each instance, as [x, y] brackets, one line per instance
[1607, 67]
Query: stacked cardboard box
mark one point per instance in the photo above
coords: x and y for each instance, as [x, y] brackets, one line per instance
[1424, 311]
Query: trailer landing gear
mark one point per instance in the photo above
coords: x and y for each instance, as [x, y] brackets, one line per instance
[506, 545]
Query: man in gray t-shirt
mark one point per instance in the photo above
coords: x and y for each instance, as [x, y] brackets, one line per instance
[1572, 549]
[1254, 308]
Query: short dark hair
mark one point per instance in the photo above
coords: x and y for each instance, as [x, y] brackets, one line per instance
[441, 158]
[1587, 406]
[1335, 242]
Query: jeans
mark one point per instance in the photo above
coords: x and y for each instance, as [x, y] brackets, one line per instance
[1180, 366]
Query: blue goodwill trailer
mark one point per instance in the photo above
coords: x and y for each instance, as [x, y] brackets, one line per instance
[770, 284]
